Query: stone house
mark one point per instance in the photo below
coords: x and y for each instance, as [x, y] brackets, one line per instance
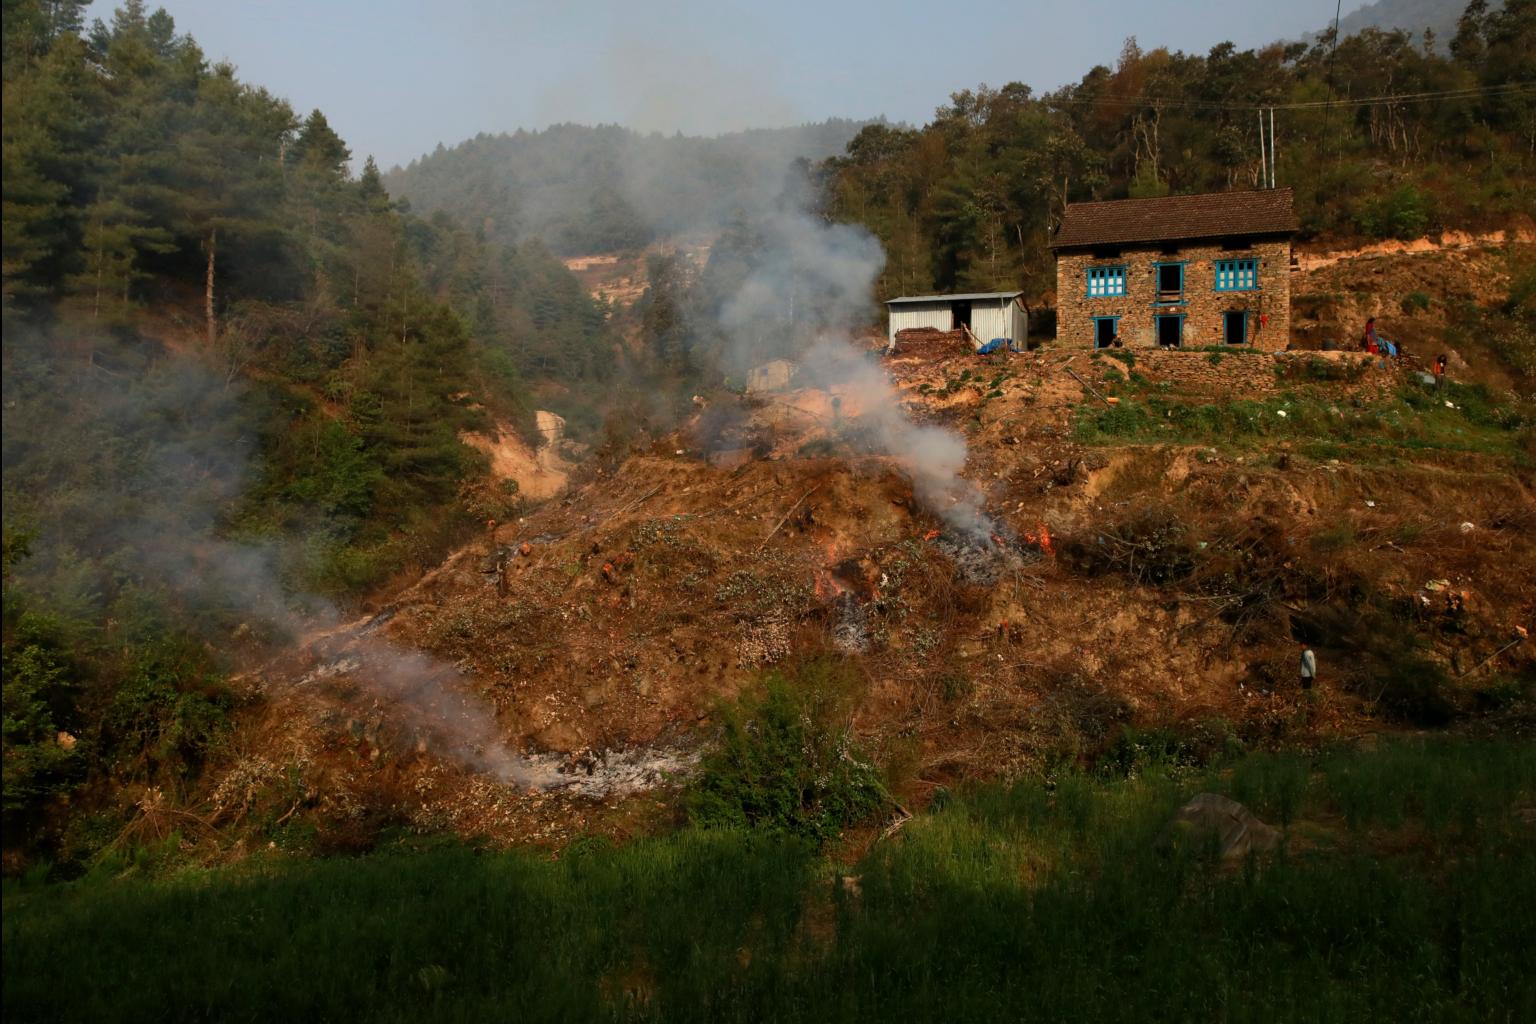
[1212, 269]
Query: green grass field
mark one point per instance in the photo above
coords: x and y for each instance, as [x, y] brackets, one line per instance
[1405, 890]
[1416, 419]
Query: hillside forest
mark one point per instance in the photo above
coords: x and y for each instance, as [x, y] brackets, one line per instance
[968, 200]
[239, 365]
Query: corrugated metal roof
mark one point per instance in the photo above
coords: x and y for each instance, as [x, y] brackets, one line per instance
[958, 297]
[1175, 218]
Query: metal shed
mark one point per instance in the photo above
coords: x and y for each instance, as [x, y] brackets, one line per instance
[988, 315]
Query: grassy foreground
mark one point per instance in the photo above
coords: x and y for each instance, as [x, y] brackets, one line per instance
[1405, 890]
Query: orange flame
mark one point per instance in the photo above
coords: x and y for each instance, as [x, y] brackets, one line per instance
[931, 535]
[827, 586]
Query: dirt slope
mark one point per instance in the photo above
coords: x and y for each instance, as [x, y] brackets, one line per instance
[604, 628]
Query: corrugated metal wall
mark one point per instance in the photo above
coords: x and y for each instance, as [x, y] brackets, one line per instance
[990, 319]
[994, 319]
[907, 316]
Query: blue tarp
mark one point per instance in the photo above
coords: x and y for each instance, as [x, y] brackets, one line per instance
[995, 345]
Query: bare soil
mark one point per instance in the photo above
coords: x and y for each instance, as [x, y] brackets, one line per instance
[605, 627]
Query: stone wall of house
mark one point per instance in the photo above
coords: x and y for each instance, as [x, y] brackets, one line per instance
[1269, 306]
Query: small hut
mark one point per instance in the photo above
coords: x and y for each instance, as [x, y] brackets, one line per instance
[987, 316]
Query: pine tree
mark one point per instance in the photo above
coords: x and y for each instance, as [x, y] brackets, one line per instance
[228, 181]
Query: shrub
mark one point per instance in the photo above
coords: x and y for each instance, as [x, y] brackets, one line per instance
[169, 711]
[786, 763]
[819, 448]
[1415, 302]
[1403, 213]
[37, 766]
[954, 686]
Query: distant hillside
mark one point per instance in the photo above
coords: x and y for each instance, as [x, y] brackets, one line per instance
[585, 190]
[1412, 16]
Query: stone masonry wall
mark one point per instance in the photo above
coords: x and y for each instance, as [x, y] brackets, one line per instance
[1268, 306]
[1255, 376]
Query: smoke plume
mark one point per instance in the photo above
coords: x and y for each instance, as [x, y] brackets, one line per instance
[130, 463]
[809, 291]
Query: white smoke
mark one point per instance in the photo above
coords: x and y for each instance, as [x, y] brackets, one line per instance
[810, 290]
[132, 475]
[931, 457]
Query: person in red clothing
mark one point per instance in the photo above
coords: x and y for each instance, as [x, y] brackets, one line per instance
[1368, 341]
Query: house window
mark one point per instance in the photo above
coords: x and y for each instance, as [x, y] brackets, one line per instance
[1170, 282]
[1104, 281]
[1237, 275]
[1105, 330]
[1170, 330]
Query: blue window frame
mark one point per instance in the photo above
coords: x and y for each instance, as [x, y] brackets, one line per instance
[1237, 275]
[1234, 327]
[1168, 279]
[1105, 330]
[1106, 281]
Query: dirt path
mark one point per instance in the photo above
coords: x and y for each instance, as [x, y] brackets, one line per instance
[1449, 240]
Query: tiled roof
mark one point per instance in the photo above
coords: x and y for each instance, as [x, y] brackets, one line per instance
[1175, 218]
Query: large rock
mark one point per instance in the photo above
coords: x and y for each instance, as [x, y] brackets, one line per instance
[1233, 830]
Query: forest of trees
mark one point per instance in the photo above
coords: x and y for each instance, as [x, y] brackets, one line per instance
[969, 200]
[235, 375]
[606, 188]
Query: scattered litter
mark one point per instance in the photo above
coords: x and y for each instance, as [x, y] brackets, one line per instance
[1450, 405]
[1281, 413]
[1435, 586]
[1370, 504]
[1467, 527]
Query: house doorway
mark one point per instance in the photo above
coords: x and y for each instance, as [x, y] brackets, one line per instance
[1235, 327]
[1170, 331]
[1104, 331]
[962, 315]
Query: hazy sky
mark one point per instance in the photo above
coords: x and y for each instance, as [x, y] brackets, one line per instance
[395, 78]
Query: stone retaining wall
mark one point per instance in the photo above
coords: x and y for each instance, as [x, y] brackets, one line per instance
[1254, 375]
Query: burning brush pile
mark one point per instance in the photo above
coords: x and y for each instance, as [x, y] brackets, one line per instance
[849, 588]
[981, 559]
[858, 592]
